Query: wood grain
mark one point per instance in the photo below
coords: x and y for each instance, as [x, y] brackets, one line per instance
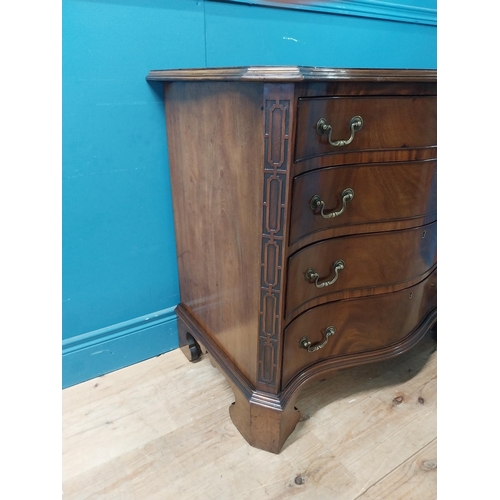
[291, 74]
[416, 478]
[424, 84]
[361, 325]
[172, 437]
[371, 261]
[389, 123]
[244, 153]
[357, 157]
[217, 180]
[383, 192]
[278, 146]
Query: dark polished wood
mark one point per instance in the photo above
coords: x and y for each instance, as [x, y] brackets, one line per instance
[215, 206]
[318, 370]
[383, 192]
[291, 74]
[371, 261]
[366, 157]
[246, 234]
[188, 345]
[383, 87]
[396, 122]
[361, 325]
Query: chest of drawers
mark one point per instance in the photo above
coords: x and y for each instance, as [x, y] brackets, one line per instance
[305, 216]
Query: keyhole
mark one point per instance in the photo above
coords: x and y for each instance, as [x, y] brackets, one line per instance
[411, 295]
[423, 234]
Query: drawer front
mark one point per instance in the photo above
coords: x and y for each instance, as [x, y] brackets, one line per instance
[369, 260]
[380, 192]
[360, 325]
[388, 123]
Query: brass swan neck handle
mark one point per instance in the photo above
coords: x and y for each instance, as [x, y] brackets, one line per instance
[316, 202]
[304, 343]
[312, 275]
[356, 124]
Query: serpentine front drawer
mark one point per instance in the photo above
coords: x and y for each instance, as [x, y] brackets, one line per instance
[387, 123]
[361, 261]
[362, 194]
[340, 329]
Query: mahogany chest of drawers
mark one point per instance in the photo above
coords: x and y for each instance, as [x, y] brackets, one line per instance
[305, 215]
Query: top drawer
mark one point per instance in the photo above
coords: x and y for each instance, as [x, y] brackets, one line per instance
[388, 123]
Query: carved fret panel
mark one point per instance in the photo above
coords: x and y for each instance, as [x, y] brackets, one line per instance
[276, 143]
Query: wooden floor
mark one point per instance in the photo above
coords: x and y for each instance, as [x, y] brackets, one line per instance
[161, 430]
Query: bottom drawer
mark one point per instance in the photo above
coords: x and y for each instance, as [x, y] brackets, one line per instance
[360, 325]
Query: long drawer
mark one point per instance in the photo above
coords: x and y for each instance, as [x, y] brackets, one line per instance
[360, 194]
[356, 325]
[388, 123]
[359, 261]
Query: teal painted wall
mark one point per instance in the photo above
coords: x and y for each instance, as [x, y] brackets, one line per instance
[120, 282]
[238, 34]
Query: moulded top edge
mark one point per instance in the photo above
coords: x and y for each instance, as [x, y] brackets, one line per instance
[291, 74]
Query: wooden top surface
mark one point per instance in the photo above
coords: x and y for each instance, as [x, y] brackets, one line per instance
[291, 74]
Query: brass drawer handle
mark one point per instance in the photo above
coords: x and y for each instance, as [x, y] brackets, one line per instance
[316, 202]
[356, 124]
[306, 344]
[312, 275]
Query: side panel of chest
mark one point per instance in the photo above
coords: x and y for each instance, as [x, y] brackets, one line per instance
[216, 143]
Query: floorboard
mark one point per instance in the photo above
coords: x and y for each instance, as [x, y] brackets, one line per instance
[160, 429]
